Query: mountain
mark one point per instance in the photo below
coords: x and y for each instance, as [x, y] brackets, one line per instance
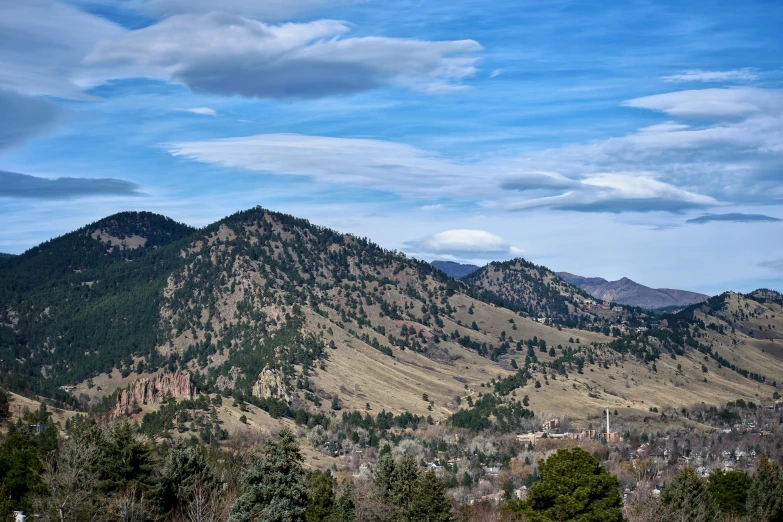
[537, 292]
[627, 292]
[119, 238]
[5, 256]
[455, 270]
[300, 320]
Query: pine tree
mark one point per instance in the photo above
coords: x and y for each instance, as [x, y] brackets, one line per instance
[183, 469]
[20, 469]
[430, 503]
[404, 485]
[689, 498]
[124, 461]
[320, 498]
[384, 477]
[345, 510]
[765, 496]
[573, 486]
[5, 410]
[275, 489]
[730, 491]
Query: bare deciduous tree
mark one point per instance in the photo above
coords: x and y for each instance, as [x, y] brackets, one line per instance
[70, 479]
[208, 504]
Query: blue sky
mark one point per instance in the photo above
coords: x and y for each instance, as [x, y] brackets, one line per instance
[632, 138]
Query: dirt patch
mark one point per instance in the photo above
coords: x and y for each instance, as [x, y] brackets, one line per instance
[130, 242]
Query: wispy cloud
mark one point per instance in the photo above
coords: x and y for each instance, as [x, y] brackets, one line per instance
[202, 111]
[776, 265]
[263, 10]
[23, 186]
[617, 193]
[378, 164]
[722, 149]
[230, 55]
[43, 45]
[24, 117]
[746, 74]
[733, 218]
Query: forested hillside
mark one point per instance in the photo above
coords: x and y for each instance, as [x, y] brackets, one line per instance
[538, 292]
[298, 317]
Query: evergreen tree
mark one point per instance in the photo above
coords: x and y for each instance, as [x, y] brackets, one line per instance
[6, 507]
[430, 503]
[404, 486]
[730, 491]
[346, 505]
[20, 469]
[275, 489]
[184, 469]
[124, 461]
[5, 409]
[384, 477]
[765, 496]
[573, 486]
[688, 497]
[320, 498]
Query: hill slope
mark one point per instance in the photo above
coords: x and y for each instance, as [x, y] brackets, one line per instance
[627, 292]
[294, 317]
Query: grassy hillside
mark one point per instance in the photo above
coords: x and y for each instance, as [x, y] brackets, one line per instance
[350, 326]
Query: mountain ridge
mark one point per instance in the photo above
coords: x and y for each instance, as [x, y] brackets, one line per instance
[338, 320]
[628, 292]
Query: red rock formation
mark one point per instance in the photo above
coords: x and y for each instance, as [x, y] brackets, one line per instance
[153, 391]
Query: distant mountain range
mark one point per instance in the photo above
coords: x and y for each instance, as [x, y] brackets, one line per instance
[5, 256]
[455, 270]
[628, 292]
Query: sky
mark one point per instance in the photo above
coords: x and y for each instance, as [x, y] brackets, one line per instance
[635, 138]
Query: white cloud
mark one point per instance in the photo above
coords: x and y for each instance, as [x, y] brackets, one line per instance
[42, 46]
[616, 193]
[714, 104]
[23, 117]
[202, 111]
[396, 167]
[260, 9]
[463, 242]
[231, 55]
[535, 180]
[733, 155]
[745, 74]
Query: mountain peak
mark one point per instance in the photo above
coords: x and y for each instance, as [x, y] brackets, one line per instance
[628, 292]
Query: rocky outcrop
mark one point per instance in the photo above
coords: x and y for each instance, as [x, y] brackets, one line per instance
[271, 385]
[155, 390]
[228, 381]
